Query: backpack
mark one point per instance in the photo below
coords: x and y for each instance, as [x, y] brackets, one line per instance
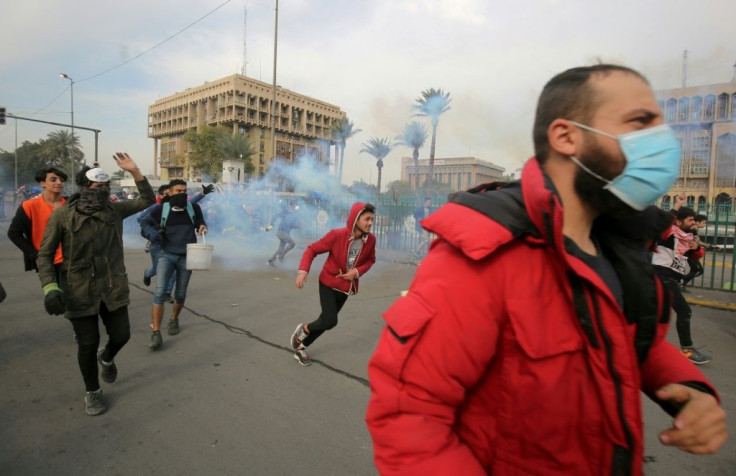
[167, 209]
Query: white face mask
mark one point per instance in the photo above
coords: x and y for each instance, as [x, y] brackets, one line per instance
[652, 165]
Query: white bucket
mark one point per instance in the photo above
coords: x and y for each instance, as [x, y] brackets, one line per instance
[199, 256]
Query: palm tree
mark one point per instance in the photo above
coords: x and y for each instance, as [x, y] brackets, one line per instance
[378, 148]
[342, 130]
[236, 145]
[61, 149]
[414, 136]
[432, 103]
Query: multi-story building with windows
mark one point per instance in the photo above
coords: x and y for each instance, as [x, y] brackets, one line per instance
[302, 124]
[704, 120]
[460, 173]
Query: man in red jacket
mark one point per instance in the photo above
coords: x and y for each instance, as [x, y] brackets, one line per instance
[352, 252]
[536, 319]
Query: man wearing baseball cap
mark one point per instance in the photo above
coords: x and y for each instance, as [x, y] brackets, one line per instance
[92, 283]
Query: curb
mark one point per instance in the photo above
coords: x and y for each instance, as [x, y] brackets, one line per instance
[713, 304]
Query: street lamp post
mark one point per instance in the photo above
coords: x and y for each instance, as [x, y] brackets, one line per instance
[71, 148]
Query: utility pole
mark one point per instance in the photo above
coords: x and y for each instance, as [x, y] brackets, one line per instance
[273, 100]
[684, 69]
[245, 51]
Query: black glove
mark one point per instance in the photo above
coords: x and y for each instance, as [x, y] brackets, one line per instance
[208, 188]
[54, 303]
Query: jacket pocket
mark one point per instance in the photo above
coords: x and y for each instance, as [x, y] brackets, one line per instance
[75, 282]
[544, 327]
[405, 321]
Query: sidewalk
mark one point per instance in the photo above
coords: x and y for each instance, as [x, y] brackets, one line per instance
[714, 298]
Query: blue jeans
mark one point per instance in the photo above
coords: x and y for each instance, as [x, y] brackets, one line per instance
[155, 251]
[168, 264]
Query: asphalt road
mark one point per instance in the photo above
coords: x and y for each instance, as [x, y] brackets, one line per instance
[225, 396]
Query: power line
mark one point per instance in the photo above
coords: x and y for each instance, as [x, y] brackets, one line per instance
[134, 58]
[157, 44]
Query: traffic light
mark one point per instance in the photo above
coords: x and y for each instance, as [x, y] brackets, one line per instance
[2, 115]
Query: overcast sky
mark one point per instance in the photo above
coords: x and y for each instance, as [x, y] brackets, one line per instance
[372, 58]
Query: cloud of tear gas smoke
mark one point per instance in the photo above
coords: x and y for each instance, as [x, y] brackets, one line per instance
[237, 215]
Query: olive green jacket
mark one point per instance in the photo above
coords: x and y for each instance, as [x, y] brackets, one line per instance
[92, 245]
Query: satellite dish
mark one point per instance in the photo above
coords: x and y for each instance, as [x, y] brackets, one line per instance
[322, 217]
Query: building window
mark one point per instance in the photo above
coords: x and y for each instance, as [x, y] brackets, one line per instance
[701, 142]
[697, 111]
[733, 106]
[699, 163]
[710, 106]
[670, 110]
[726, 161]
[666, 202]
[701, 203]
[683, 110]
[722, 112]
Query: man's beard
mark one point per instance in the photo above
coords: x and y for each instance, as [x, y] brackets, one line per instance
[590, 189]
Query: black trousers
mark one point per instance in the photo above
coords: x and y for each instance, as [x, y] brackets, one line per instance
[331, 302]
[682, 309]
[87, 330]
[696, 269]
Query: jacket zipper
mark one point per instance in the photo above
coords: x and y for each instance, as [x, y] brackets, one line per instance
[614, 376]
[355, 263]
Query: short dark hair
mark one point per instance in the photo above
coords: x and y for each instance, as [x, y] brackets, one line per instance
[368, 208]
[569, 95]
[42, 173]
[177, 181]
[684, 212]
[163, 188]
[700, 217]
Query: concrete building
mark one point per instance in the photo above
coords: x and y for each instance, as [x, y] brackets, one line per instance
[460, 173]
[704, 120]
[244, 105]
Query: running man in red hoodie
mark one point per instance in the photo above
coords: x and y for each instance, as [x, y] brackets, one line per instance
[352, 252]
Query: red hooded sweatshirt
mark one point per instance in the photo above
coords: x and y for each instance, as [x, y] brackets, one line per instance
[337, 243]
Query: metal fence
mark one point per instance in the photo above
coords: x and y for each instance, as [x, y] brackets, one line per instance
[395, 230]
[719, 265]
[394, 224]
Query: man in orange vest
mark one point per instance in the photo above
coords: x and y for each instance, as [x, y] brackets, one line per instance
[27, 227]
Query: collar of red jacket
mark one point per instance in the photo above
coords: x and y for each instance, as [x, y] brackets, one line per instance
[477, 236]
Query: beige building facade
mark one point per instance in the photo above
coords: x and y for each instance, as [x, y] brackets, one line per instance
[302, 124]
[704, 120]
[460, 173]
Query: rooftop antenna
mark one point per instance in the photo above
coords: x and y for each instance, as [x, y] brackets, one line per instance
[733, 80]
[245, 19]
[684, 69]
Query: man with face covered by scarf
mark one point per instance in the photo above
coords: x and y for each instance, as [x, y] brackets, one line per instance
[92, 283]
[178, 227]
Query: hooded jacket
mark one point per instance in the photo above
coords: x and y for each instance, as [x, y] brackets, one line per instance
[337, 243]
[93, 270]
[510, 356]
